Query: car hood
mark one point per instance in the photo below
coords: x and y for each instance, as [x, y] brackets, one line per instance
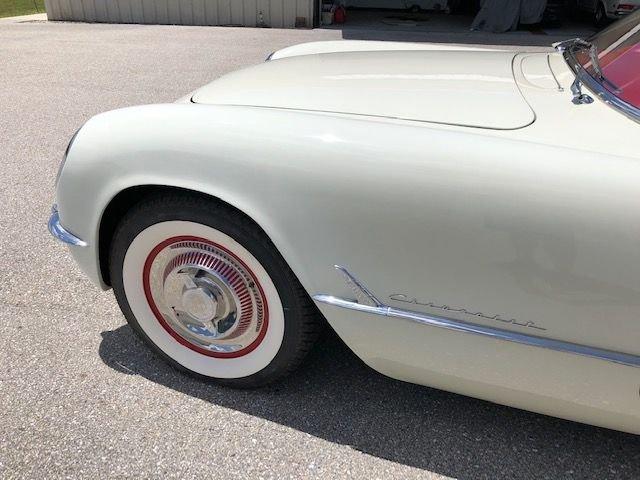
[465, 88]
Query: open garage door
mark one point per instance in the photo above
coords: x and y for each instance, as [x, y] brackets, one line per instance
[433, 5]
[388, 12]
[430, 15]
[506, 15]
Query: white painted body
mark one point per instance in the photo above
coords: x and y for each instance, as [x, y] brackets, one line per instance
[342, 46]
[489, 190]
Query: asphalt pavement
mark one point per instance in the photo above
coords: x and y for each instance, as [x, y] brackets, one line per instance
[81, 397]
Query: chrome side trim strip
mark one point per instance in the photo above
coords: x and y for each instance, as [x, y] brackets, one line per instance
[362, 293]
[465, 327]
[58, 231]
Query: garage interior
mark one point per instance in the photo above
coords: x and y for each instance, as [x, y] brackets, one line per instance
[498, 22]
[424, 17]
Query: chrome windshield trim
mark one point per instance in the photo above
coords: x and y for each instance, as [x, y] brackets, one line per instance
[466, 327]
[609, 98]
[58, 231]
[583, 77]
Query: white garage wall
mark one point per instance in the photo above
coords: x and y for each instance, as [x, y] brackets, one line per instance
[250, 13]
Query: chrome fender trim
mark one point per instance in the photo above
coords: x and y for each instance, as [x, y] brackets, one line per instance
[368, 303]
[58, 231]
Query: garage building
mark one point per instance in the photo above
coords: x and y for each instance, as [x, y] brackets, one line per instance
[282, 13]
[250, 13]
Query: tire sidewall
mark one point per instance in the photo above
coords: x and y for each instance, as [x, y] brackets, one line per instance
[165, 217]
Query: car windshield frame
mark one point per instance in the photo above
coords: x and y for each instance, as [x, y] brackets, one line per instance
[597, 84]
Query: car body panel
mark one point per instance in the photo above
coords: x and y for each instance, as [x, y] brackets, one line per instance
[410, 85]
[539, 224]
[338, 46]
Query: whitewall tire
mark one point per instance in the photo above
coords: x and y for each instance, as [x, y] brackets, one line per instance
[204, 287]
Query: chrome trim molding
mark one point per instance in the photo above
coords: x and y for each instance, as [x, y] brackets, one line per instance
[579, 98]
[607, 97]
[375, 307]
[58, 231]
[583, 78]
[362, 293]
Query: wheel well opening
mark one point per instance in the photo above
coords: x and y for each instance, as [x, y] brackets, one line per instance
[124, 201]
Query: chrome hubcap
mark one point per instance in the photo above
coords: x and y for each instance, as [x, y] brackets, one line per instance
[205, 297]
[200, 304]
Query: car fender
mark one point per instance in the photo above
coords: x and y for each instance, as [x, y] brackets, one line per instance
[410, 208]
[282, 168]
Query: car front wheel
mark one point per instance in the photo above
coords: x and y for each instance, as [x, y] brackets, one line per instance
[205, 288]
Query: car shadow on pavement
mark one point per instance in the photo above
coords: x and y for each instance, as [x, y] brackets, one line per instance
[334, 396]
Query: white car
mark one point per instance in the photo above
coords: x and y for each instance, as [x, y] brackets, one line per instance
[604, 10]
[463, 218]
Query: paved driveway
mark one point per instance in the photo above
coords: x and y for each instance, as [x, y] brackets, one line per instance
[81, 397]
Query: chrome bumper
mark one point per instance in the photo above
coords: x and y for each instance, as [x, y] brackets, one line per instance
[58, 231]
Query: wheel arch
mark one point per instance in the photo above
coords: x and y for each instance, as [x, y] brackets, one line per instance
[126, 198]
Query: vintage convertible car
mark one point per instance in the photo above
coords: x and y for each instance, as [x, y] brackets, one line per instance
[463, 218]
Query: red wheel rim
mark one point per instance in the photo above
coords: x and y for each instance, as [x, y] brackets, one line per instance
[146, 281]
